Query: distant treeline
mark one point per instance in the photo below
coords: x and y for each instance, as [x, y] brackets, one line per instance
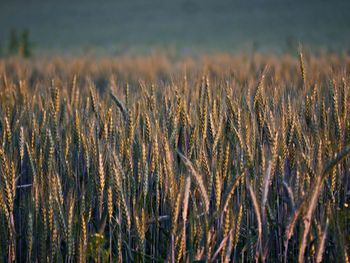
[17, 44]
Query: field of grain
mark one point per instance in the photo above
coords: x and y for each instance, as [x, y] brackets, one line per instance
[151, 159]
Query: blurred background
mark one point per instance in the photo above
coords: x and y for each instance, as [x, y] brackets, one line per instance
[179, 26]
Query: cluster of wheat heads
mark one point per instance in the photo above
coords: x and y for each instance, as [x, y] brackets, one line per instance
[246, 164]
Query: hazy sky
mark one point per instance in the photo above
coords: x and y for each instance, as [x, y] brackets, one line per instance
[186, 25]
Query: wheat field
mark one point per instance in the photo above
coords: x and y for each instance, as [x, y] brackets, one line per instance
[151, 159]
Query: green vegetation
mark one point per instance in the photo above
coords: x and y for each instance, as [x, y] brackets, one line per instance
[145, 159]
[19, 45]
